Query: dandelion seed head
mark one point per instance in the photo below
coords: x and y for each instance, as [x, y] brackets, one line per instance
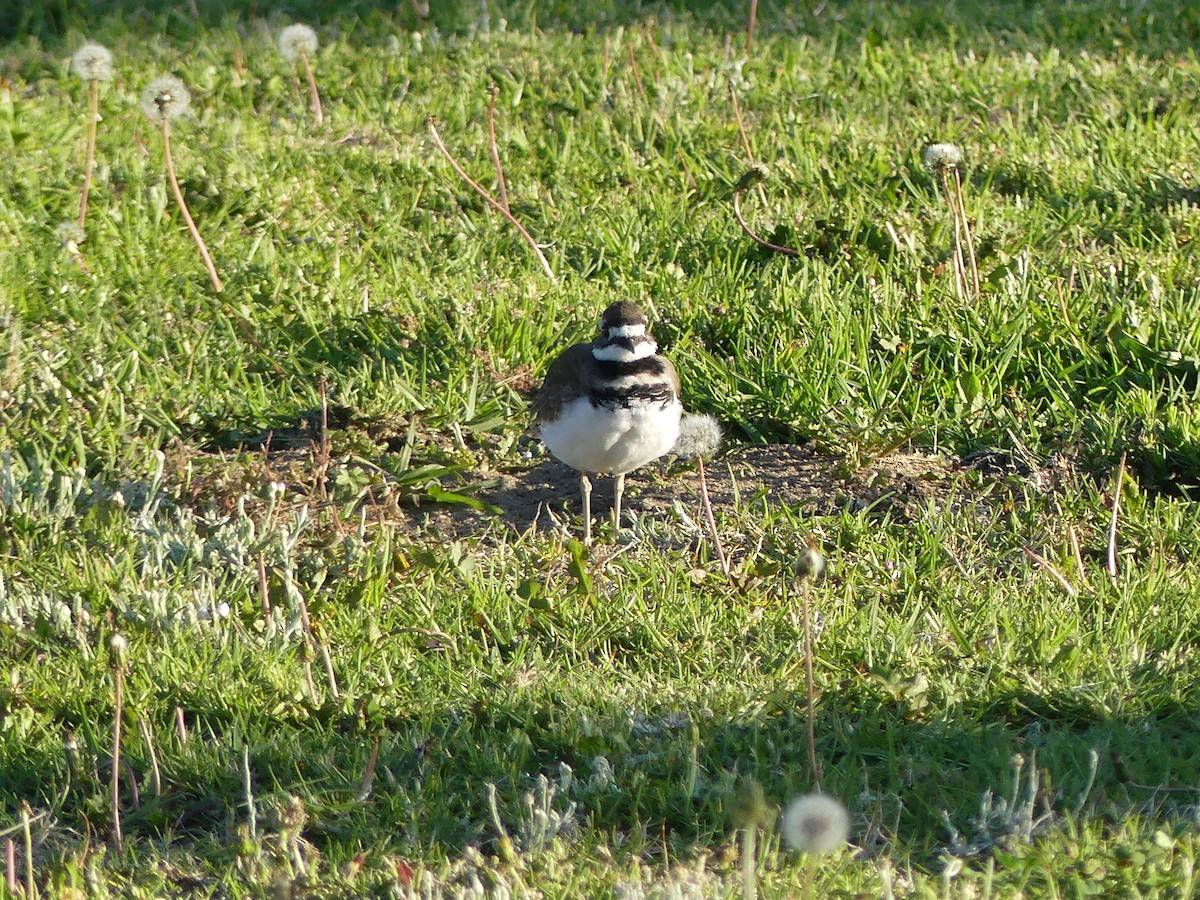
[92, 62]
[118, 650]
[699, 436]
[69, 233]
[296, 40]
[293, 815]
[756, 174]
[939, 158]
[165, 98]
[810, 564]
[750, 808]
[815, 823]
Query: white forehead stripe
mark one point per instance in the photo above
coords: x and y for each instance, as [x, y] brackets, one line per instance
[631, 330]
[617, 353]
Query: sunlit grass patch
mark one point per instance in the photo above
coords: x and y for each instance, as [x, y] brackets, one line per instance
[365, 654]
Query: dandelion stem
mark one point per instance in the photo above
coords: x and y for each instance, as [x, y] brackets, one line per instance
[896, 241]
[264, 593]
[313, 94]
[637, 77]
[329, 673]
[750, 861]
[10, 865]
[494, 808]
[649, 32]
[132, 783]
[309, 646]
[706, 504]
[491, 201]
[368, 779]
[810, 726]
[248, 790]
[181, 726]
[737, 116]
[1093, 765]
[960, 269]
[501, 186]
[1074, 539]
[324, 446]
[187, 216]
[26, 820]
[762, 242]
[1112, 524]
[115, 780]
[966, 224]
[1053, 572]
[90, 156]
[148, 740]
[308, 676]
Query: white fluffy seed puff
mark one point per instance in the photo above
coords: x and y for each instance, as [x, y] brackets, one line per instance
[939, 158]
[699, 437]
[296, 40]
[165, 98]
[92, 62]
[815, 823]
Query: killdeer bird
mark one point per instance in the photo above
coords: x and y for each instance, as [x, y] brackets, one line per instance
[611, 405]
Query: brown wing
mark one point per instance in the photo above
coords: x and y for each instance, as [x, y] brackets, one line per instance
[672, 376]
[565, 380]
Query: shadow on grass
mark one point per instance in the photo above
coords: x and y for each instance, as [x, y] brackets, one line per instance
[1155, 28]
[669, 771]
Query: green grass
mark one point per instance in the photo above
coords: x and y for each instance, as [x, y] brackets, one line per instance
[970, 712]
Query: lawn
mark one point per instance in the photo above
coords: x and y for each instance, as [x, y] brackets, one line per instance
[359, 650]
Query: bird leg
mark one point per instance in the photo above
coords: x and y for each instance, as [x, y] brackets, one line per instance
[585, 493]
[618, 490]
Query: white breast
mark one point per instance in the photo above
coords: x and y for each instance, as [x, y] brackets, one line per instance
[611, 441]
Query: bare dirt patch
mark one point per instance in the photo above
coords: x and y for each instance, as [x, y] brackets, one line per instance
[777, 473]
[901, 485]
[534, 493]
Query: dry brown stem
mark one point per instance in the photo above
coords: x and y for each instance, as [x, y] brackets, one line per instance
[115, 780]
[501, 186]
[187, 216]
[1053, 571]
[710, 519]
[90, 157]
[966, 226]
[314, 96]
[490, 200]
[810, 706]
[637, 76]
[761, 241]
